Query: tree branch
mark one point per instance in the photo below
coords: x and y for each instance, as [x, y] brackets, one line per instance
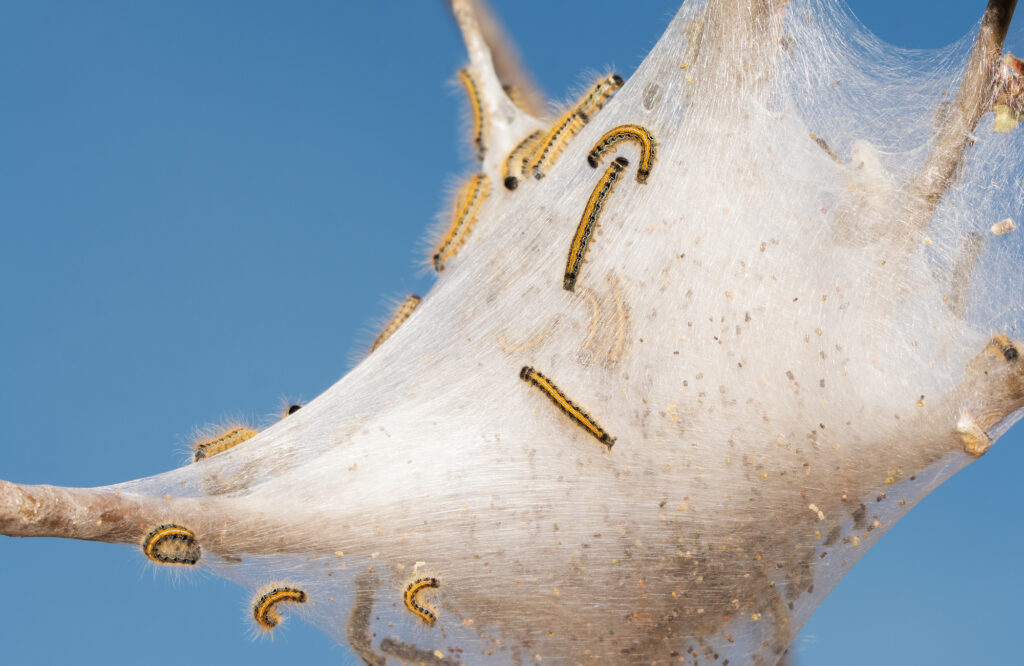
[110, 516]
[74, 513]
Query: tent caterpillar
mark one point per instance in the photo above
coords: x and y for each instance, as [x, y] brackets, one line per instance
[171, 544]
[424, 612]
[517, 161]
[622, 133]
[570, 123]
[401, 313]
[588, 222]
[467, 206]
[477, 109]
[223, 441]
[531, 376]
[264, 611]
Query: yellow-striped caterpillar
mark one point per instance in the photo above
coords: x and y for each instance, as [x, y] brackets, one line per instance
[171, 544]
[531, 376]
[421, 610]
[222, 442]
[598, 96]
[476, 108]
[401, 313]
[1005, 346]
[558, 137]
[467, 206]
[264, 609]
[588, 222]
[517, 162]
[634, 133]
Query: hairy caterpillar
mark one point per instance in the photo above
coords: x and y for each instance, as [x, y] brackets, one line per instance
[531, 376]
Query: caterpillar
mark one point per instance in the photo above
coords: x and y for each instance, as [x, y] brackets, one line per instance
[477, 109]
[424, 612]
[222, 442]
[401, 313]
[599, 96]
[634, 133]
[531, 376]
[467, 206]
[1006, 347]
[171, 544]
[588, 222]
[558, 137]
[516, 162]
[264, 609]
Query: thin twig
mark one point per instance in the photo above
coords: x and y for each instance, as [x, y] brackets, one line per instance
[507, 62]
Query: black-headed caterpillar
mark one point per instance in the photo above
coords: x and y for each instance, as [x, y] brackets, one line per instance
[467, 205]
[222, 441]
[517, 162]
[412, 602]
[398, 318]
[1005, 346]
[588, 221]
[531, 376]
[264, 609]
[554, 142]
[476, 109]
[171, 544]
[598, 96]
[634, 133]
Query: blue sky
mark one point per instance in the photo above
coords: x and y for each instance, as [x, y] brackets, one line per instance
[205, 207]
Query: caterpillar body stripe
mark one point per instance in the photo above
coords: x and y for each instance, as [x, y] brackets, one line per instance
[171, 544]
[467, 205]
[599, 96]
[554, 143]
[264, 609]
[222, 442]
[532, 376]
[401, 313]
[634, 133]
[476, 108]
[558, 137]
[588, 222]
[421, 610]
[517, 162]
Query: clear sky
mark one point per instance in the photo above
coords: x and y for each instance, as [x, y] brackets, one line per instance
[205, 207]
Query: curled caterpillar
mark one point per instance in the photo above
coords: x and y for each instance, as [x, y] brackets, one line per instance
[171, 544]
[633, 133]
